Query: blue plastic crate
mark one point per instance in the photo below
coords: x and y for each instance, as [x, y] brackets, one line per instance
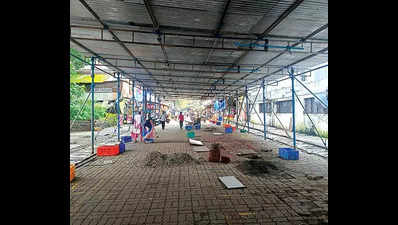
[122, 147]
[197, 126]
[126, 139]
[188, 127]
[228, 130]
[288, 154]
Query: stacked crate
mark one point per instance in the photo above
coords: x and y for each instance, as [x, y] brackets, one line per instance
[288, 154]
[108, 150]
[72, 172]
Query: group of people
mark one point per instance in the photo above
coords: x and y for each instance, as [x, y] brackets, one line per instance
[146, 131]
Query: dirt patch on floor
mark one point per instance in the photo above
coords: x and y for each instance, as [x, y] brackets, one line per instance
[256, 167]
[157, 159]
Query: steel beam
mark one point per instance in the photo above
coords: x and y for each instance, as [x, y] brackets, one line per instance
[281, 18]
[294, 45]
[238, 49]
[243, 67]
[298, 74]
[99, 57]
[210, 33]
[183, 76]
[115, 37]
[291, 64]
[177, 70]
[324, 104]
[270, 28]
[188, 83]
[155, 27]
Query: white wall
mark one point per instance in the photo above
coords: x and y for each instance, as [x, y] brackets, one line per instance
[317, 83]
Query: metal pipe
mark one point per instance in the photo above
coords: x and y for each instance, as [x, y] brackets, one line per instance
[246, 50]
[255, 100]
[118, 106]
[308, 71]
[324, 104]
[313, 124]
[264, 112]
[92, 104]
[210, 33]
[295, 44]
[81, 109]
[293, 107]
[247, 110]
[133, 101]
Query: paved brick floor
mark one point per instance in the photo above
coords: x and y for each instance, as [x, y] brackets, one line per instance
[121, 190]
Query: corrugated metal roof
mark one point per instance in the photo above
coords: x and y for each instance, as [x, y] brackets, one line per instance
[200, 17]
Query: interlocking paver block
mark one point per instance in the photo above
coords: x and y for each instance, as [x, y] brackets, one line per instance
[127, 192]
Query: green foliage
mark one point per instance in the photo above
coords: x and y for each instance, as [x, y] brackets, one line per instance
[301, 128]
[78, 94]
[111, 119]
[75, 64]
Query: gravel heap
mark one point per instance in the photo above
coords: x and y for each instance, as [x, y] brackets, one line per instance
[157, 159]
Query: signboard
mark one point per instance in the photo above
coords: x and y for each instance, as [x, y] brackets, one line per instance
[86, 79]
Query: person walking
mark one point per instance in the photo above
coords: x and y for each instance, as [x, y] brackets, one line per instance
[137, 128]
[181, 119]
[148, 131]
[163, 119]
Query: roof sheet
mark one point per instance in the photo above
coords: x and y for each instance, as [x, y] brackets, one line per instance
[187, 37]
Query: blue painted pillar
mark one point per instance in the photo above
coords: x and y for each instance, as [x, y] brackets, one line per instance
[132, 104]
[92, 103]
[150, 98]
[237, 110]
[118, 106]
[247, 110]
[143, 104]
[291, 73]
[264, 110]
[154, 104]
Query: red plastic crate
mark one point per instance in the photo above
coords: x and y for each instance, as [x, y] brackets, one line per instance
[108, 150]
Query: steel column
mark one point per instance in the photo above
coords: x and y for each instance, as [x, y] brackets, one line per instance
[291, 73]
[92, 103]
[264, 108]
[154, 105]
[143, 117]
[247, 110]
[118, 106]
[132, 103]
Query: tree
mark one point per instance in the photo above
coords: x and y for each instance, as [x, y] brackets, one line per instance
[77, 93]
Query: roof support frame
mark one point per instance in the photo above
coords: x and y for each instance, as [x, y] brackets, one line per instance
[270, 28]
[295, 44]
[191, 46]
[105, 26]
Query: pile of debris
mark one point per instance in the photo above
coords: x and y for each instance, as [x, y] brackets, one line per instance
[157, 159]
[209, 129]
[256, 167]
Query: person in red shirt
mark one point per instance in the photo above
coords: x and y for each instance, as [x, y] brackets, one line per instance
[181, 119]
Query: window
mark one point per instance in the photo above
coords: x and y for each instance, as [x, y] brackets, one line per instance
[314, 107]
[267, 107]
[284, 106]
